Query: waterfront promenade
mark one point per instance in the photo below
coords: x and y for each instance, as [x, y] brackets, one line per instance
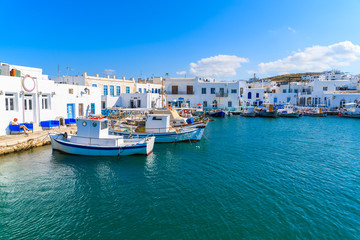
[21, 142]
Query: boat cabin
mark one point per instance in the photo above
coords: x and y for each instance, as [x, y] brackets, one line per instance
[157, 123]
[92, 128]
[94, 132]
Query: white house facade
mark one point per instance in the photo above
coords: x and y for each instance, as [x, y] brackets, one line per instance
[31, 97]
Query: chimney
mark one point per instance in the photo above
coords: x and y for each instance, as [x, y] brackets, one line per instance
[133, 79]
[85, 74]
[97, 75]
[123, 78]
[107, 76]
[114, 77]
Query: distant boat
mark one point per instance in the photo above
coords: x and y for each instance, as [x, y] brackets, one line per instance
[217, 113]
[248, 112]
[352, 110]
[158, 125]
[268, 111]
[93, 139]
[314, 112]
[289, 112]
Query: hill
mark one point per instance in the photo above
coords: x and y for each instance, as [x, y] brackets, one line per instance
[293, 77]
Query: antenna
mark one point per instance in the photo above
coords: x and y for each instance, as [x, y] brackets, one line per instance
[58, 70]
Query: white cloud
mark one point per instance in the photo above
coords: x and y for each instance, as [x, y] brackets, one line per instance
[316, 58]
[217, 66]
[181, 73]
[291, 29]
[109, 71]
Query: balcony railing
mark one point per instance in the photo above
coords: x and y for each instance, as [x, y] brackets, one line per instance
[221, 94]
[181, 93]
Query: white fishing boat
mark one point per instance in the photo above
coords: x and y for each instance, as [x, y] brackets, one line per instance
[351, 110]
[158, 125]
[248, 112]
[93, 139]
[289, 112]
[314, 112]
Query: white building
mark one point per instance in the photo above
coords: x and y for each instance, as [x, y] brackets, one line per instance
[30, 96]
[331, 89]
[209, 93]
[120, 92]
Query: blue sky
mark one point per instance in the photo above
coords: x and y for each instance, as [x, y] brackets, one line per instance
[219, 39]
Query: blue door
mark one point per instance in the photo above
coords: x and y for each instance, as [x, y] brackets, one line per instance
[70, 110]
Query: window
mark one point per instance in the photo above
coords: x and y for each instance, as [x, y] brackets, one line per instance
[127, 89]
[212, 90]
[111, 90]
[284, 90]
[71, 91]
[103, 125]
[275, 100]
[296, 90]
[144, 90]
[189, 89]
[9, 102]
[174, 89]
[203, 91]
[159, 90]
[188, 102]
[155, 90]
[139, 90]
[205, 104]
[288, 99]
[118, 90]
[257, 95]
[325, 88]
[249, 95]
[105, 90]
[92, 108]
[215, 104]
[94, 85]
[152, 90]
[233, 90]
[290, 90]
[229, 104]
[157, 118]
[45, 102]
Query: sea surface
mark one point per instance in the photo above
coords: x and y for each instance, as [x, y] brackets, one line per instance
[249, 178]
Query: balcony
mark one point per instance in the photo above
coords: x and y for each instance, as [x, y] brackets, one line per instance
[181, 93]
[221, 94]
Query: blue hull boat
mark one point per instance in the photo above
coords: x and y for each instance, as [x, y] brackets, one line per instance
[217, 114]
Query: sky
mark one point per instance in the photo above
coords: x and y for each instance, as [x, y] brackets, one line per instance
[224, 40]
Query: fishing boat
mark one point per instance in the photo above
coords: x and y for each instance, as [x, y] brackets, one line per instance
[248, 112]
[314, 112]
[289, 112]
[217, 113]
[268, 111]
[158, 125]
[93, 139]
[351, 110]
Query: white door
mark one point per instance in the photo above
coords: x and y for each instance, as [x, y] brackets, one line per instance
[28, 108]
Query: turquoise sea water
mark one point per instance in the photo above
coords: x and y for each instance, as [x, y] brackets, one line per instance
[249, 179]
